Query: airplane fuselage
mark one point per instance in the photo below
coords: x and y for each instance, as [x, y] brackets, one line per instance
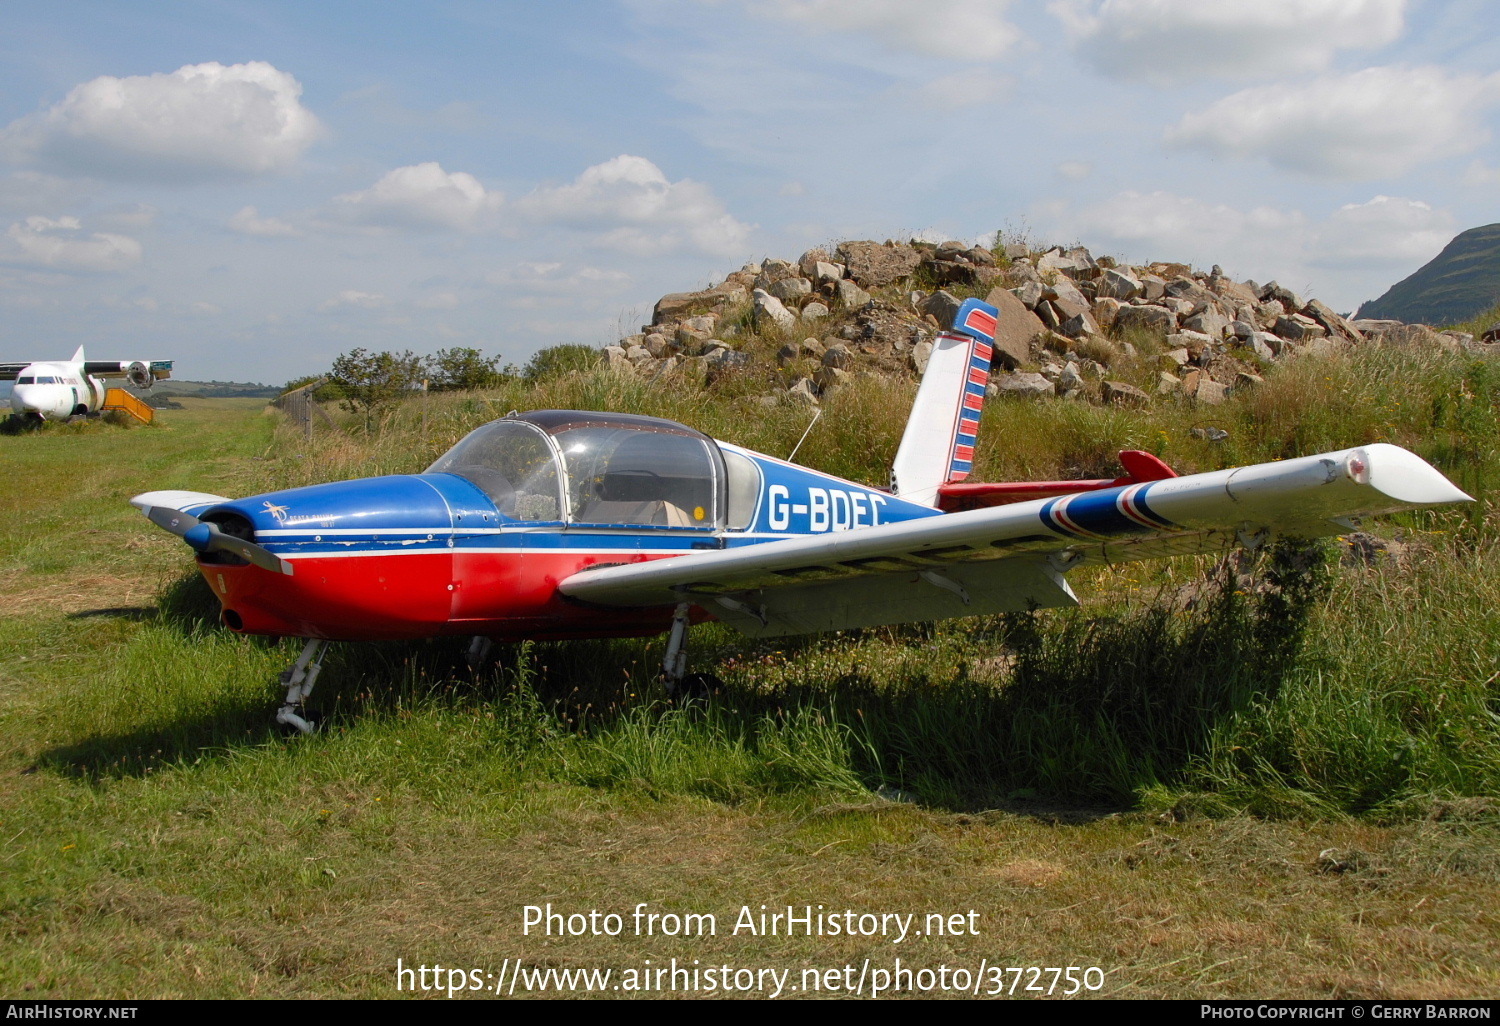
[419, 555]
[55, 390]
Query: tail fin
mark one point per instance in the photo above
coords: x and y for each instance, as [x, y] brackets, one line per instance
[78, 357]
[938, 446]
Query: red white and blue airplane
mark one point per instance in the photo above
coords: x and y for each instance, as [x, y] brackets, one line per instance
[564, 524]
[59, 389]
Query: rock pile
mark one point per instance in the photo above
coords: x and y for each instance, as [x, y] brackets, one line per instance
[1069, 325]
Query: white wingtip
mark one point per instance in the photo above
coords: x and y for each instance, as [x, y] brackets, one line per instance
[177, 499]
[1408, 478]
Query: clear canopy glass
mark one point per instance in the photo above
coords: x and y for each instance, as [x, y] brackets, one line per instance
[615, 469]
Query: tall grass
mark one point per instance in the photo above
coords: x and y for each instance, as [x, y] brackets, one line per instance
[1281, 686]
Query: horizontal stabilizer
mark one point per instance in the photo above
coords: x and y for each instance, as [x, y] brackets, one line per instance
[962, 495]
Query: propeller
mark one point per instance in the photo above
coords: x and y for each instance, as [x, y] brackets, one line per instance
[204, 536]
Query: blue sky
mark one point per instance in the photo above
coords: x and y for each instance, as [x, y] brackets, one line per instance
[252, 188]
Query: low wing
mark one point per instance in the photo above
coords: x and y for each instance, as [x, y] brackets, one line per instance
[1014, 557]
[134, 369]
[178, 499]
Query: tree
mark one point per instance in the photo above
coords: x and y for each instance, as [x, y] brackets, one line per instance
[462, 369]
[369, 381]
[557, 361]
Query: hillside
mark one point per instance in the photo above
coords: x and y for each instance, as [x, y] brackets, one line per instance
[213, 389]
[1459, 283]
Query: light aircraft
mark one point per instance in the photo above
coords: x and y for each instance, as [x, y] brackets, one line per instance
[565, 524]
[59, 389]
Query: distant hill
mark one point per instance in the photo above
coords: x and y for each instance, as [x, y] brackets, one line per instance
[213, 389]
[1461, 282]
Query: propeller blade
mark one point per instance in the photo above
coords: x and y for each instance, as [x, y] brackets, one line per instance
[173, 520]
[204, 536]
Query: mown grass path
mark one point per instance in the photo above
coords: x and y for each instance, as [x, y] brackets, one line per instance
[158, 839]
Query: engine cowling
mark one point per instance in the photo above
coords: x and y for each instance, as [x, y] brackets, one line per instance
[139, 374]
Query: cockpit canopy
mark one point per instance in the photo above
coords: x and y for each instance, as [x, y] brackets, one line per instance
[594, 468]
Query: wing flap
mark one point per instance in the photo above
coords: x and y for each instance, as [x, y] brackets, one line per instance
[975, 589]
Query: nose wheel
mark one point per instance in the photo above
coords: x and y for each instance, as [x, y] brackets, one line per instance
[299, 680]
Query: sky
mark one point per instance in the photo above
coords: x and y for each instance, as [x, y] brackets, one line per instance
[252, 188]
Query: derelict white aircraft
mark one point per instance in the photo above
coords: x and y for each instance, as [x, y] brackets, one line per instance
[563, 524]
[59, 389]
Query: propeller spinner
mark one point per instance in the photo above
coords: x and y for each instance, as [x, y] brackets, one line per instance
[204, 536]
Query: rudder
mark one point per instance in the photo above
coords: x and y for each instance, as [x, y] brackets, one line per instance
[938, 445]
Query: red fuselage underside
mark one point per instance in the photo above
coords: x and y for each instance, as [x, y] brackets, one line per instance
[507, 596]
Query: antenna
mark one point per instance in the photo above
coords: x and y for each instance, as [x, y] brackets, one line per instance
[816, 414]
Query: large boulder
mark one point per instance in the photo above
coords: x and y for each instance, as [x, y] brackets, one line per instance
[1210, 321]
[872, 264]
[1122, 393]
[789, 290]
[1066, 297]
[769, 312]
[1015, 329]
[1156, 319]
[1285, 296]
[1335, 324]
[810, 260]
[961, 272]
[1025, 386]
[616, 360]
[824, 272]
[679, 305]
[942, 306]
[1113, 283]
[849, 295]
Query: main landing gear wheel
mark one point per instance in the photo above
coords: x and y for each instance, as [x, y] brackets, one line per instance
[698, 687]
[299, 681]
[680, 684]
[479, 653]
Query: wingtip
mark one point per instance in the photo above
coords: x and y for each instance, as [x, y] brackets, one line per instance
[1406, 477]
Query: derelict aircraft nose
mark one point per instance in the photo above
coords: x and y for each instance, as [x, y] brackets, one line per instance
[26, 399]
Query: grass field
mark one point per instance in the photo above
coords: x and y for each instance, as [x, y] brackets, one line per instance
[1242, 779]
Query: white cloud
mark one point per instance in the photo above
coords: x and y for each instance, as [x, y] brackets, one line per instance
[967, 88]
[1386, 231]
[421, 196]
[1374, 123]
[1480, 175]
[1354, 252]
[971, 30]
[61, 244]
[27, 191]
[355, 298]
[130, 216]
[558, 278]
[634, 208]
[1165, 41]
[202, 121]
[439, 301]
[249, 222]
[1075, 170]
[1164, 226]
